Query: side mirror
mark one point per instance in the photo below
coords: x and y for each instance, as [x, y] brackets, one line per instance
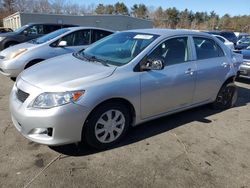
[25, 32]
[152, 64]
[62, 43]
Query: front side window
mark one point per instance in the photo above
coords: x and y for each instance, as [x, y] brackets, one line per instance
[207, 48]
[77, 38]
[172, 51]
[35, 30]
[120, 48]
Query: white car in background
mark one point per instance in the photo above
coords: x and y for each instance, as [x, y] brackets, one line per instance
[229, 44]
[15, 59]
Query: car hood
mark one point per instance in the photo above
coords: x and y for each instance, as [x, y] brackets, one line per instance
[17, 47]
[65, 72]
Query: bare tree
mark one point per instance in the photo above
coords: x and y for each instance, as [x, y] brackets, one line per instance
[57, 6]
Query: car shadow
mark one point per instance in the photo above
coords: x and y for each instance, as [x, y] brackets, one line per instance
[156, 127]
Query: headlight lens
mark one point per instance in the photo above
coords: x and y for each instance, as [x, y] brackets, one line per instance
[50, 100]
[16, 53]
[1, 38]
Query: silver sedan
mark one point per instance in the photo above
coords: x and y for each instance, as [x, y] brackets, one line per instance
[15, 59]
[123, 80]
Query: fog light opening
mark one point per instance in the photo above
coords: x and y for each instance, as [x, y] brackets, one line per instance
[42, 131]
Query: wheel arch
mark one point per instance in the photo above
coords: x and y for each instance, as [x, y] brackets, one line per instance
[33, 62]
[118, 100]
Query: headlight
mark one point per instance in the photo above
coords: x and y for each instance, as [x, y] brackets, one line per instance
[1, 38]
[16, 53]
[50, 100]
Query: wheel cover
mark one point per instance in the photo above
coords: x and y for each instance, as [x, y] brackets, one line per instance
[110, 126]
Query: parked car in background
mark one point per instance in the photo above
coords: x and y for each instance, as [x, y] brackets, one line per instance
[5, 30]
[28, 32]
[243, 43]
[244, 69]
[229, 35]
[241, 35]
[15, 59]
[123, 80]
[229, 44]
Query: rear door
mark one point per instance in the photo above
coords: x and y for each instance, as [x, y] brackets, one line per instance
[212, 68]
[173, 87]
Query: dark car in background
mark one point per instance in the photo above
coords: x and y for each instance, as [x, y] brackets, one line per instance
[229, 35]
[28, 32]
[5, 30]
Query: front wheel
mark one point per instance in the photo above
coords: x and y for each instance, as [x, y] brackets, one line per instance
[106, 125]
[226, 97]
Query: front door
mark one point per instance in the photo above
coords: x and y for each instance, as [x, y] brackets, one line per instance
[173, 87]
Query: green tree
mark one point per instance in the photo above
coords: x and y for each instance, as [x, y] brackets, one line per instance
[100, 9]
[121, 8]
[139, 11]
[109, 9]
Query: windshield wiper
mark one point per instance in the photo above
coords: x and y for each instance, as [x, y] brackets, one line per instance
[95, 59]
[84, 57]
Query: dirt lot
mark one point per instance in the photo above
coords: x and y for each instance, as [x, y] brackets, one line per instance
[195, 148]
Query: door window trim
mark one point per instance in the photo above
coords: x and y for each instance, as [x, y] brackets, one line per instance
[209, 38]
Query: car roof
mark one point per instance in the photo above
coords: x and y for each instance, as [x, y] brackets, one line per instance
[168, 32]
[79, 28]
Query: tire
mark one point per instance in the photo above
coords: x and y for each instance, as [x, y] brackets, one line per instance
[226, 97]
[100, 136]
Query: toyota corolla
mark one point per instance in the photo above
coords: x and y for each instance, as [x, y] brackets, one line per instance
[123, 80]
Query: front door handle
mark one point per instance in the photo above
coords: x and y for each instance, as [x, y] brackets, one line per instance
[189, 71]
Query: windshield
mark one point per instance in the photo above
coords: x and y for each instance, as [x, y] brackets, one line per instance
[118, 49]
[49, 36]
[19, 30]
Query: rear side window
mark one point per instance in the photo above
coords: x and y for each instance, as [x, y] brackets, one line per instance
[207, 48]
[99, 34]
[50, 28]
[172, 51]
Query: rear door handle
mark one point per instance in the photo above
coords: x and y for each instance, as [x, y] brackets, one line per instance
[189, 71]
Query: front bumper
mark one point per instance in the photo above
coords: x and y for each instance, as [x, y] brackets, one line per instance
[64, 122]
[7, 70]
[244, 69]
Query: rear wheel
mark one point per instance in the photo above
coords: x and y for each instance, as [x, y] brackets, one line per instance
[107, 125]
[226, 97]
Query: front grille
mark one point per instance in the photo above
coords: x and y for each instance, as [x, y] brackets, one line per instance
[2, 57]
[1, 70]
[21, 95]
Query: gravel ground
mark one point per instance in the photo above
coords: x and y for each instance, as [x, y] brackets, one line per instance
[196, 148]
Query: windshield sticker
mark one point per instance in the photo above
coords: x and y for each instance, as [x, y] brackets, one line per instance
[146, 37]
